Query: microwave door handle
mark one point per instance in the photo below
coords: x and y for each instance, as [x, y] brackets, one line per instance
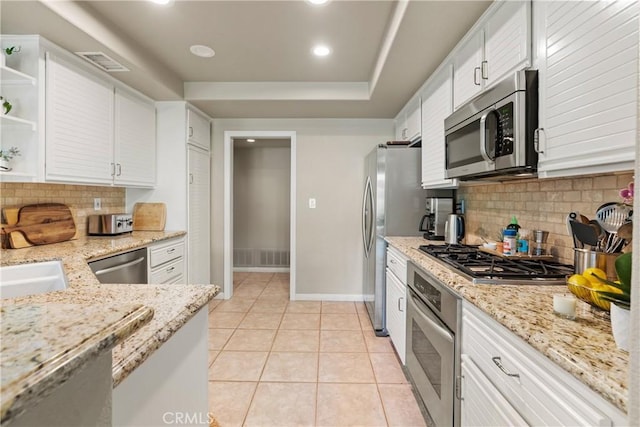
[483, 137]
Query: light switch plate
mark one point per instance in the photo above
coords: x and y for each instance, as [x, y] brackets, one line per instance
[312, 203]
[97, 204]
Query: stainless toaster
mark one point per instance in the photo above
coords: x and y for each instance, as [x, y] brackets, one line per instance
[110, 224]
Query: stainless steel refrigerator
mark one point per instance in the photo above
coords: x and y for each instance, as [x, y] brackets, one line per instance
[393, 204]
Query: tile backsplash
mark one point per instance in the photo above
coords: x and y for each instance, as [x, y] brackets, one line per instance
[541, 204]
[79, 198]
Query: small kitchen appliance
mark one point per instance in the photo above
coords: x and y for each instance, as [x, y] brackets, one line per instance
[492, 136]
[432, 224]
[454, 229]
[110, 224]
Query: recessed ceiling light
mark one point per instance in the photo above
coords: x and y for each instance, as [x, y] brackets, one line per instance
[318, 2]
[251, 140]
[162, 2]
[202, 51]
[321, 50]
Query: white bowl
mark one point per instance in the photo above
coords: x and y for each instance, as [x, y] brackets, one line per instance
[490, 245]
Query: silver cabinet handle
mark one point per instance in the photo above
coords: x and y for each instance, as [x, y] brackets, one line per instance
[190, 131]
[113, 169]
[399, 304]
[190, 178]
[119, 169]
[498, 361]
[170, 269]
[475, 76]
[485, 70]
[392, 261]
[171, 250]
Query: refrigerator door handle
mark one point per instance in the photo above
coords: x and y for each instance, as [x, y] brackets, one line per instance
[364, 216]
[372, 218]
[367, 214]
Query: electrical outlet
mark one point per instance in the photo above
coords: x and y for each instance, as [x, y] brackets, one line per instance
[312, 203]
[97, 204]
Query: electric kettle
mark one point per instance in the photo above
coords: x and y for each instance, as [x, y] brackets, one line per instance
[454, 229]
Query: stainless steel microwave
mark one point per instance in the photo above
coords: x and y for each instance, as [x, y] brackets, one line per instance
[492, 136]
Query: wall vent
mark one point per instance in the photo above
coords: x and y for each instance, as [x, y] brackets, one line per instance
[260, 257]
[102, 61]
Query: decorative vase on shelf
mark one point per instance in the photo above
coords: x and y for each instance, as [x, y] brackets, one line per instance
[620, 321]
[4, 165]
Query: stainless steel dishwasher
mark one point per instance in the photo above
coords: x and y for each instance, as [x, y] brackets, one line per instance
[128, 267]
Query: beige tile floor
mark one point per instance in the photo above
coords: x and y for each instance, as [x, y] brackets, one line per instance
[275, 362]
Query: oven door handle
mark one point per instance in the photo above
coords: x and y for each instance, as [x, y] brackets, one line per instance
[433, 321]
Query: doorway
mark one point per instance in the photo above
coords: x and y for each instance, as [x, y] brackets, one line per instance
[259, 215]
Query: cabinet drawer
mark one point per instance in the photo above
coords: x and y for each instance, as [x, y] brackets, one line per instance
[397, 263]
[168, 273]
[529, 381]
[162, 253]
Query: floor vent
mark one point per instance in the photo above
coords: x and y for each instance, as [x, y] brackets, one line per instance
[261, 257]
[102, 61]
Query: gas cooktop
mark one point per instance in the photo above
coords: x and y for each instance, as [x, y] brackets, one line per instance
[484, 268]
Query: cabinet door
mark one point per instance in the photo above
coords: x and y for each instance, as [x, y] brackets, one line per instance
[396, 313]
[198, 130]
[588, 87]
[135, 140]
[467, 78]
[482, 404]
[507, 41]
[79, 125]
[436, 107]
[401, 127]
[414, 122]
[199, 207]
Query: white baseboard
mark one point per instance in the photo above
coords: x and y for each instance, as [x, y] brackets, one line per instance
[261, 269]
[329, 297]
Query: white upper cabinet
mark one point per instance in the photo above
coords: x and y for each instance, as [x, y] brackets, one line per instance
[96, 133]
[467, 77]
[135, 140]
[198, 130]
[79, 125]
[436, 106]
[408, 123]
[506, 41]
[499, 45]
[588, 86]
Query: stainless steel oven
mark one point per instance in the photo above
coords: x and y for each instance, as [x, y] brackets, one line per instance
[433, 345]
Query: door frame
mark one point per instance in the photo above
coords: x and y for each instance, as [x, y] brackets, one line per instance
[228, 205]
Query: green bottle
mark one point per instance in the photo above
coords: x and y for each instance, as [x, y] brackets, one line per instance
[514, 224]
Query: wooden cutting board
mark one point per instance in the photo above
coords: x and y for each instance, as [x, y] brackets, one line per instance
[40, 224]
[149, 216]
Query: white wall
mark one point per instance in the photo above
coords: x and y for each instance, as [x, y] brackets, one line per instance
[330, 168]
[261, 190]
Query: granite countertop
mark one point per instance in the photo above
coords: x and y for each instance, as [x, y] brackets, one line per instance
[585, 348]
[82, 305]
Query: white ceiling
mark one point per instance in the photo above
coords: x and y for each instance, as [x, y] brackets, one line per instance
[263, 68]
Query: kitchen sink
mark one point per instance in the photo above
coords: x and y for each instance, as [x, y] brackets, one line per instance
[33, 278]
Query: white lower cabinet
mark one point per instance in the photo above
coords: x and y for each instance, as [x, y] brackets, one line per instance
[482, 403]
[171, 384]
[166, 262]
[396, 298]
[505, 381]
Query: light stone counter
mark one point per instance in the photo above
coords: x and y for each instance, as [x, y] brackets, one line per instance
[585, 347]
[107, 314]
